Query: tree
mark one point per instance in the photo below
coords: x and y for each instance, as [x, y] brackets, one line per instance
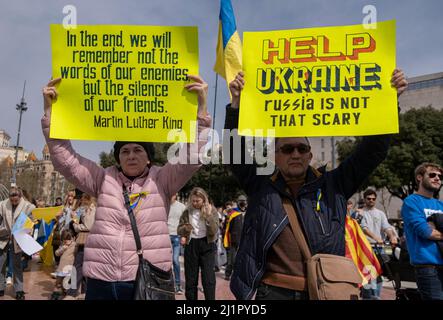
[420, 140]
[217, 180]
[5, 172]
[107, 159]
[32, 182]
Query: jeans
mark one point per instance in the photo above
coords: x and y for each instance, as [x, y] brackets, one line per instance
[372, 290]
[429, 282]
[175, 242]
[268, 292]
[10, 263]
[103, 290]
[16, 267]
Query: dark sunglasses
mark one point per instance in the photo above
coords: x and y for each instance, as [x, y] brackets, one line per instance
[371, 199]
[13, 194]
[432, 175]
[289, 148]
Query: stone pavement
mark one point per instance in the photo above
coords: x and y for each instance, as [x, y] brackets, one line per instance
[38, 285]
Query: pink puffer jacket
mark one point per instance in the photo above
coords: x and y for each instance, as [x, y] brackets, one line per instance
[110, 252]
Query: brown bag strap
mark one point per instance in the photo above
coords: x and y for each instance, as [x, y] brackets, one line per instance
[296, 228]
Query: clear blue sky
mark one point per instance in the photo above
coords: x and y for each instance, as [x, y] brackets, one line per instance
[25, 46]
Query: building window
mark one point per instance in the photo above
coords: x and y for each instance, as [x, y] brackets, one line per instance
[322, 143]
[322, 156]
[426, 84]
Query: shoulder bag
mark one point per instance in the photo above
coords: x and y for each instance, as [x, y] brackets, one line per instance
[329, 277]
[151, 282]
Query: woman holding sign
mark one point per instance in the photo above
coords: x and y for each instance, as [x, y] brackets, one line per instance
[110, 257]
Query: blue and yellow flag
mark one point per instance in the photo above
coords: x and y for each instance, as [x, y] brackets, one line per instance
[229, 50]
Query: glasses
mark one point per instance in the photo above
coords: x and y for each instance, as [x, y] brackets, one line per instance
[13, 194]
[289, 148]
[371, 199]
[432, 175]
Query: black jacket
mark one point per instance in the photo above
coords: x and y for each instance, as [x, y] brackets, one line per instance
[235, 229]
[265, 217]
[437, 219]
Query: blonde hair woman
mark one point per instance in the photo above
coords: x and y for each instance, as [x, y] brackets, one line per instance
[62, 222]
[82, 223]
[198, 230]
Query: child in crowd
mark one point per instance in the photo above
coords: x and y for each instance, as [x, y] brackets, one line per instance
[66, 252]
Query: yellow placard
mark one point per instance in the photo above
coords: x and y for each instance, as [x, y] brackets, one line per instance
[124, 83]
[332, 81]
[46, 214]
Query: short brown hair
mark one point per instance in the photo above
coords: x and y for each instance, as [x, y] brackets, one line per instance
[15, 190]
[369, 192]
[67, 235]
[421, 169]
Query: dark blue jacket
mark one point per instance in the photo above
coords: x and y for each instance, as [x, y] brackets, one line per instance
[265, 217]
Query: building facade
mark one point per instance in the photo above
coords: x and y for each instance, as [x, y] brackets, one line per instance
[423, 91]
[36, 177]
[6, 150]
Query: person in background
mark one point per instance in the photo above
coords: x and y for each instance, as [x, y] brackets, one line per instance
[233, 233]
[66, 253]
[375, 226]
[10, 210]
[82, 227]
[58, 202]
[175, 212]
[198, 231]
[422, 237]
[63, 219]
[354, 214]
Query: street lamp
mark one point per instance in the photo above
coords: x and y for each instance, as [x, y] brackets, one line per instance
[21, 108]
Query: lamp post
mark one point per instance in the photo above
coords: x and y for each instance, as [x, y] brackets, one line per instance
[21, 108]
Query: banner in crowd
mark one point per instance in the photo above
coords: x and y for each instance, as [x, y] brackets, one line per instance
[360, 251]
[21, 230]
[124, 83]
[47, 214]
[331, 81]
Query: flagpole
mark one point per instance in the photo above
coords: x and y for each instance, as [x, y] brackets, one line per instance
[215, 104]
[213, 126]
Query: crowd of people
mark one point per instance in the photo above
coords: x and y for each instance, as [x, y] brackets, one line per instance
[254, 239]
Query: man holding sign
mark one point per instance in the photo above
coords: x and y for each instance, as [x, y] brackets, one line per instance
[269, 258]
[319, 82]
[110, 257]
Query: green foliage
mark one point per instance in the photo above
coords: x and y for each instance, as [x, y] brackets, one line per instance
[161, 151]
[217, 180]
[107, 159]
[420, 140]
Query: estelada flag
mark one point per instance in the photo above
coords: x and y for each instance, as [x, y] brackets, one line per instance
[360, 251]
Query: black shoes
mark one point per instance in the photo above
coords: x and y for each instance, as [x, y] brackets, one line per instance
[20, 295]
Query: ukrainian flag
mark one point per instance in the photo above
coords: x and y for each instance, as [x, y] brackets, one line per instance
[229, 53]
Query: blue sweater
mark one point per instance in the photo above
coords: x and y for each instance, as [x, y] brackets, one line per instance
[416, 209]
